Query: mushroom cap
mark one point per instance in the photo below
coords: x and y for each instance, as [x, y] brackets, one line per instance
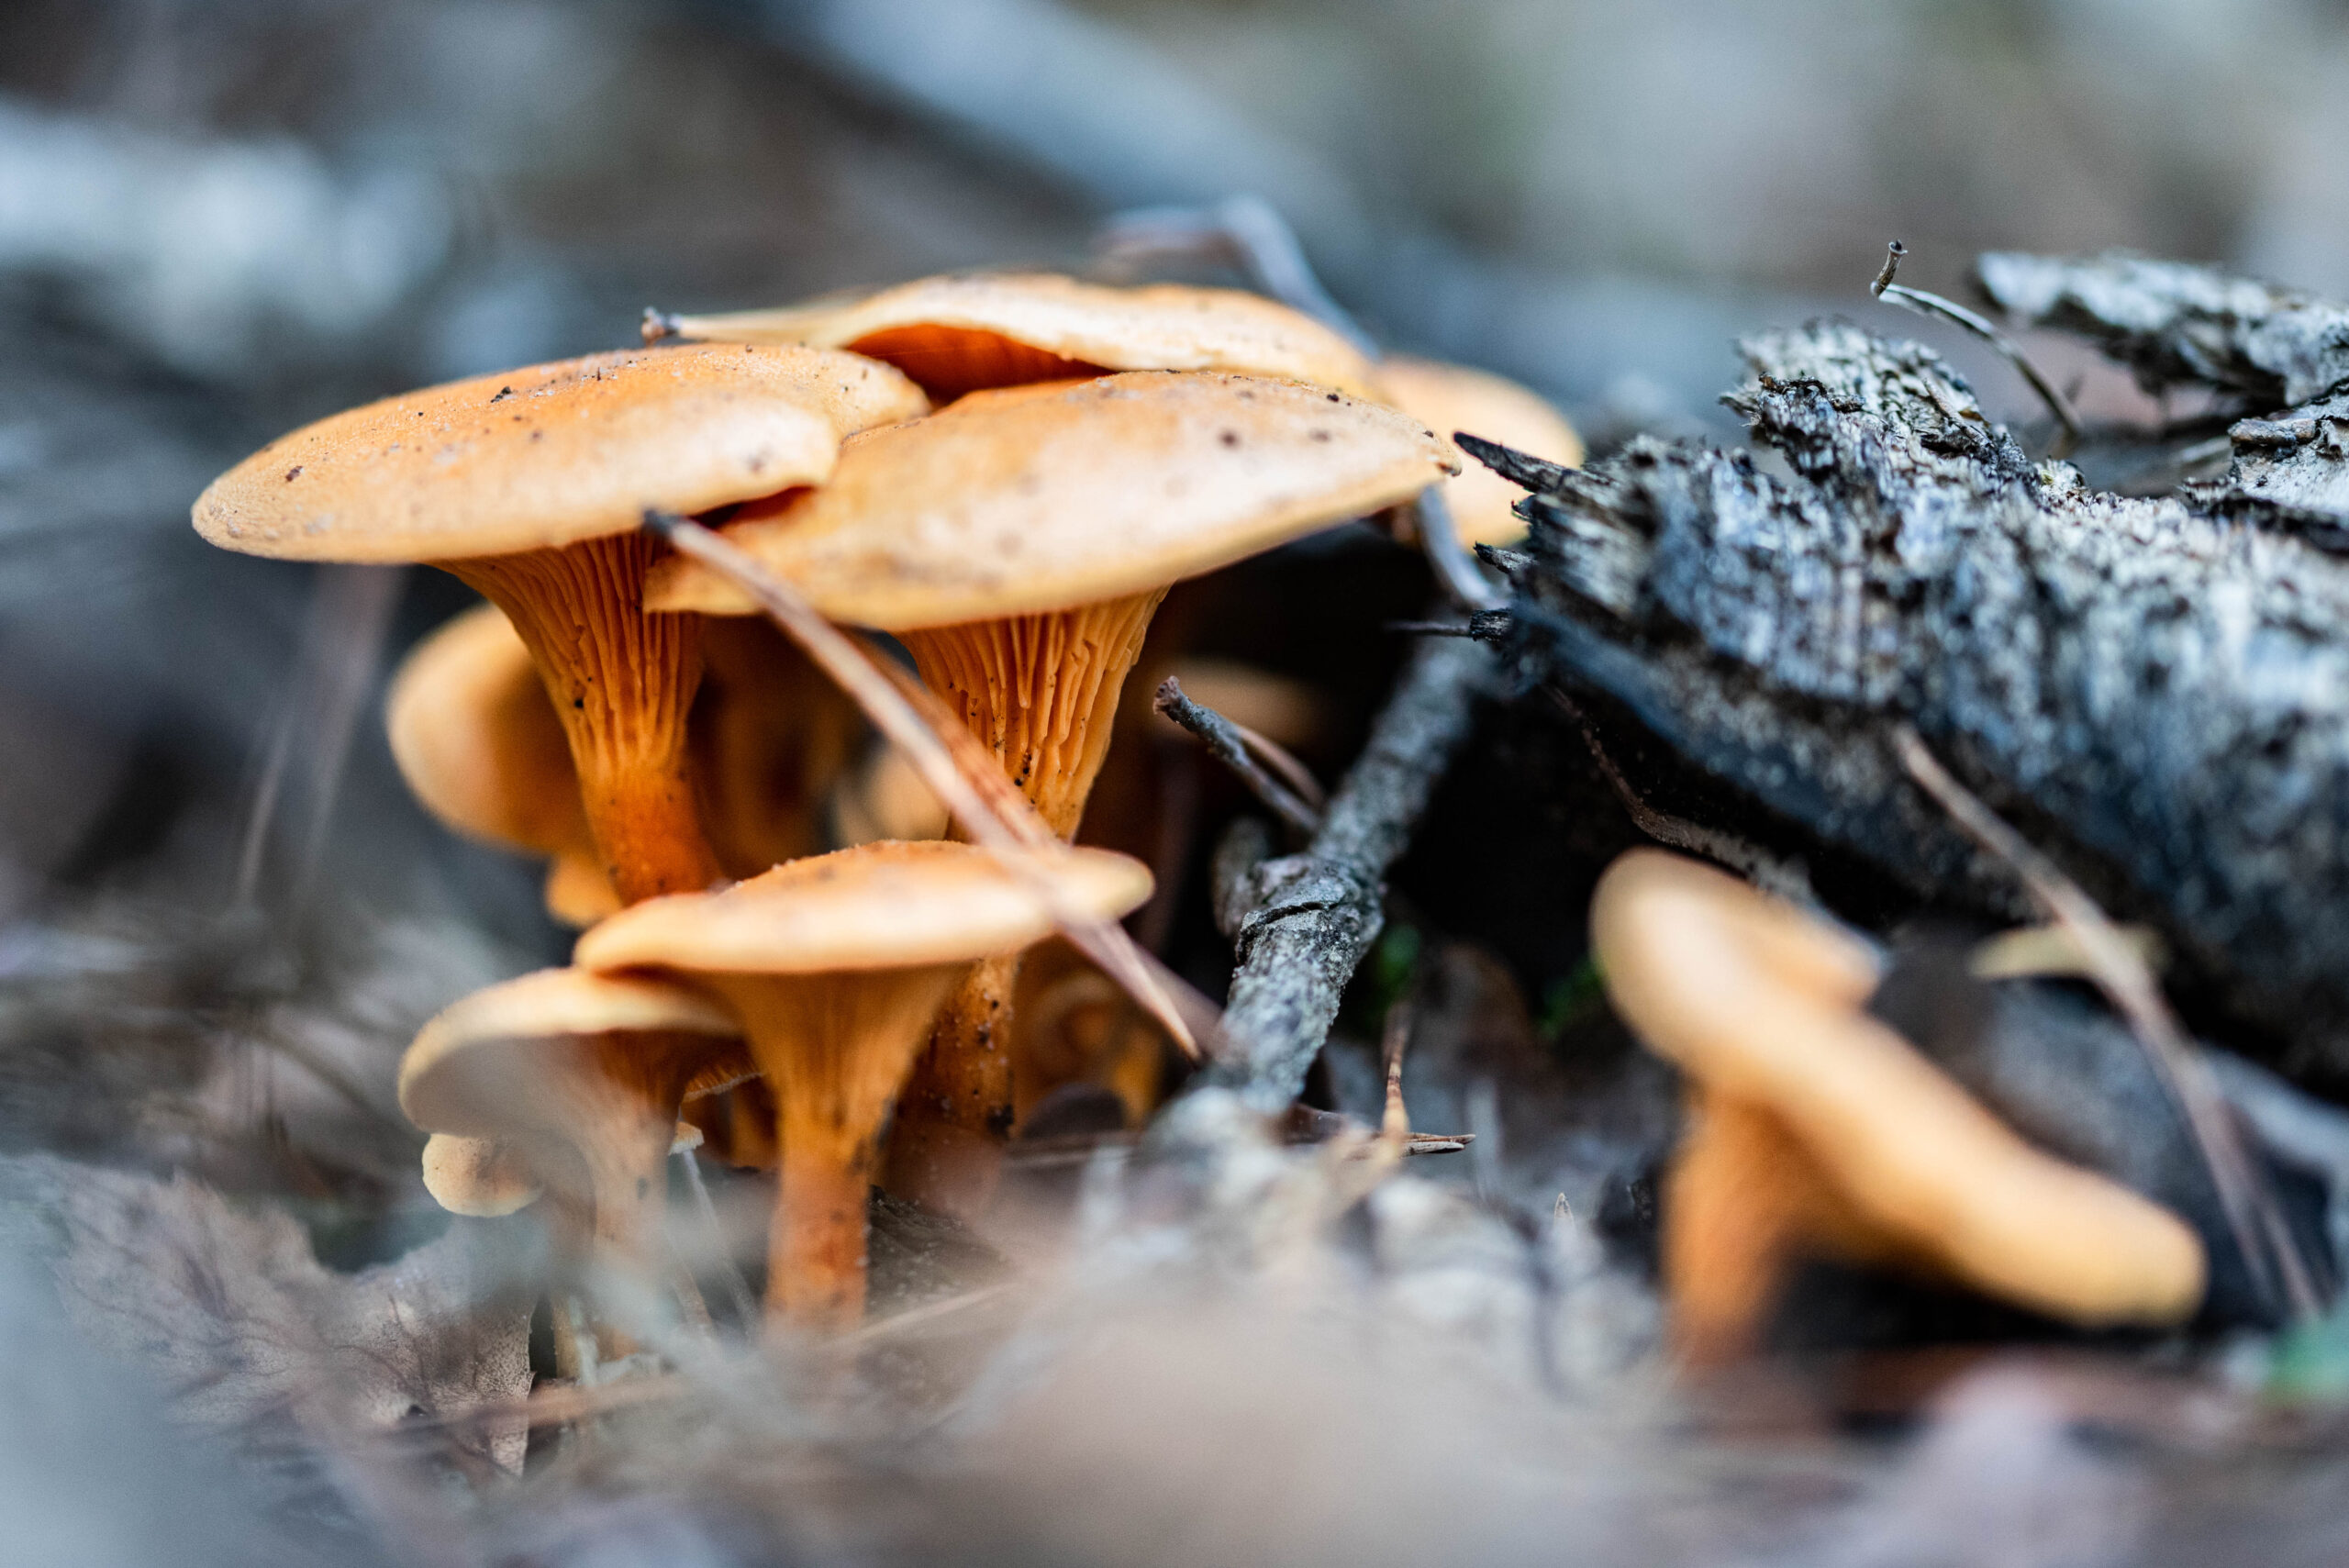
[882, 905]
[479, 1177]
[1040, 498]
[478, 742]
[1760, 1003]
[1452, 398]
[439, 1075]
[550, 454]
[1092, 326]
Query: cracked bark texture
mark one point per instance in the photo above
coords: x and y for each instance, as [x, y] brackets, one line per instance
[1304, 921]
[2161, 699]
[2176, 323]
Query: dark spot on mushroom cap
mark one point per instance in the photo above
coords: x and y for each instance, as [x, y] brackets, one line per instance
[1334, 397]
[293, 473]
[503, 393]
[1319, 435]
[1229, 438]
[537, 434]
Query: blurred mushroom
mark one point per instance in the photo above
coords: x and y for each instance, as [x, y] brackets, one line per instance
[1816, 1128]
[771, 735]
[479, 1177]
[961, 334]
[1075, 1025]
[578, 1077]
[1451, 398]
[737, 1125]
[483, 752]
[530, 486]
[836, 966]
[1018, 544]
[884, 797]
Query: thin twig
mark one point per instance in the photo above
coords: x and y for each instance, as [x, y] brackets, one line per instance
[1395, 1123]
[1758, 866]
[1223, 741]
[1925, 304]
[2119, 970]
[1284, 762]
[738, 1289]
[1453, 567]
[1309, 918]
[999, 821]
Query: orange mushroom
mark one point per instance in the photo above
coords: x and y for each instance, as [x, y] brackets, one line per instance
[965, 333]
[836, 966]
[1816, 1128]
[1018, 544]
[530, 486]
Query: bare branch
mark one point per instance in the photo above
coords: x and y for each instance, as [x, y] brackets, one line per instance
[1225, 743]
[1313, 916]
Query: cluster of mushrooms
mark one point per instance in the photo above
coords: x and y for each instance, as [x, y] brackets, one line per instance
[780, 942]
[1004, 473]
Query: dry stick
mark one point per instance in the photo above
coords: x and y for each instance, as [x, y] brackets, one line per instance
[2119, 970]
[1281, 760]
[1758, 866]
[1925, 304]
[1394, 1125]
[1315, 915]
[978, 767]
[738, 1289]
[1006, 825]
[1224, 744]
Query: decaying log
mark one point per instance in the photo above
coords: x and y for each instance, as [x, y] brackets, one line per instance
[2276, 349]
[1306, 920]
[2161, 698]
[2174, 323]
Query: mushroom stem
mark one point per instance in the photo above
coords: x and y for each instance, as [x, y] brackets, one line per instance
[961, 1103]
[1041, 692]
[1744, 1199]
[615, 1111]
[622, 682]
[836, 1048]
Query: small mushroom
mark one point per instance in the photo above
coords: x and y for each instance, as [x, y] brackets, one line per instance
[479, 1177]
[577, 1077]
[482, 749]
[531, 486]
[1451, 398]
[1018, 544]
[965, 333]
[1816, 1128]
[836, 966]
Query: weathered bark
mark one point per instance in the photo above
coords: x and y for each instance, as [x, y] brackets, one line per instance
[1313, 916]
[2161, 698]
[2174, 322]
[2178, 324]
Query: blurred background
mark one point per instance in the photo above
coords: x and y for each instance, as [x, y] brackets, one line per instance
[220, 218]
